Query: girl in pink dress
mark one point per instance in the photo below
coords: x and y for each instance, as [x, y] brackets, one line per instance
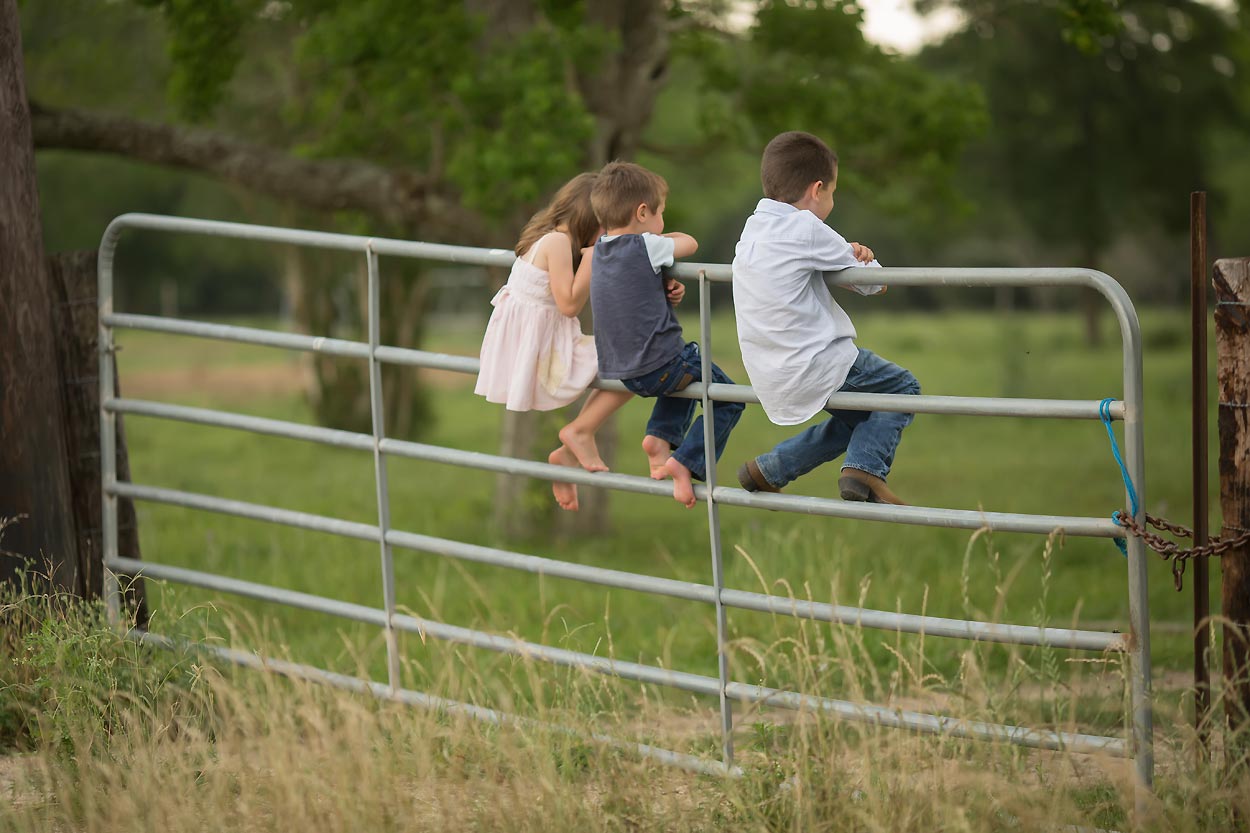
[534, 355]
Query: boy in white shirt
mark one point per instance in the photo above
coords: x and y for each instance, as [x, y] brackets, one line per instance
[798, 345]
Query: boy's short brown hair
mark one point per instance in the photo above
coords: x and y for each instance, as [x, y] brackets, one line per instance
[793, 161]
[621, 188]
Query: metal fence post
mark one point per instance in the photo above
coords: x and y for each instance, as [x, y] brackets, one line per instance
[1138, 577]
[713, 517]
[379, 471]
[111, 589]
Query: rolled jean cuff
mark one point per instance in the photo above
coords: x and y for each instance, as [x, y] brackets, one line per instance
[673, 442]
[695, 466]
[875, 471]
[769, 474]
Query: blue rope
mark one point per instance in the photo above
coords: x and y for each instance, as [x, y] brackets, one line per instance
[1104, 411]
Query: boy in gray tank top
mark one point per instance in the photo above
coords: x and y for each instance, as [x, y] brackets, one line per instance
[636, 332]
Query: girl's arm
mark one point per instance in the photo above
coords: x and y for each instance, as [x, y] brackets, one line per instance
[570, 290]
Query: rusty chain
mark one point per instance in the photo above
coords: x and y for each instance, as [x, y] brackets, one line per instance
[1168, 550]
[1172, 551]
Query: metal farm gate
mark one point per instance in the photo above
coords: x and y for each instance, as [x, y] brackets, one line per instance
[1136, 744]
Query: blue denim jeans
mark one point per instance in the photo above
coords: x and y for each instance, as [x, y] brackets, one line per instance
[868, 438]
[670, 417]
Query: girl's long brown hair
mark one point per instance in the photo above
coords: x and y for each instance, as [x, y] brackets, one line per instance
[569, 207]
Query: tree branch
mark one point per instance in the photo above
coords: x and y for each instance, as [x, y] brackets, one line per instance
[690, 23]
[695, 152]
[402, 198]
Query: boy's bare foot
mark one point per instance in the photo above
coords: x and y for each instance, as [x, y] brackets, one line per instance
[582, 446]
[658, 453]
[683, 487]
[566, 493]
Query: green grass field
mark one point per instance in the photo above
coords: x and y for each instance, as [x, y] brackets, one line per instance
[123, 737]
[114, 736]
[1042, 466]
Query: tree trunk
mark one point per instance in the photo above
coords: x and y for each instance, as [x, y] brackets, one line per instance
[1232, 333]
[325, 302]
[1093, 232]
[524, 507]
[73, 282]
[522, 504]
[1091, 300]
[405, 293]
[1091, 315]
[34, 470]
[594, 517]
[621, 89]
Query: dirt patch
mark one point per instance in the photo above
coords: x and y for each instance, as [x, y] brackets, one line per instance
[240, 382]
[18, 779]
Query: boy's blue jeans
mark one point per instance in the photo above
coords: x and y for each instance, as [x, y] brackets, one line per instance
[670, 417]
[868, 438]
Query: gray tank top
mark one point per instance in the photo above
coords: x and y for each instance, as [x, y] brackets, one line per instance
[636, 330]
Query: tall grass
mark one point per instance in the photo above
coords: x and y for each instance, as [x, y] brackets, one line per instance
[62, 668]
[143, 739]
[123, 736]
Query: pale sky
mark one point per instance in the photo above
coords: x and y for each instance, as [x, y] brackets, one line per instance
[890, 23]
[893, 23]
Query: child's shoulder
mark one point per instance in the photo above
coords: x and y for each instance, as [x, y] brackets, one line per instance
[795, 227]
[546, 238]
[556, 233]
[554, 241]
[819, 230]
[541, 251]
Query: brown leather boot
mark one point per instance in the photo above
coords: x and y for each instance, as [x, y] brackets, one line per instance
[858, 485]
[752, 479]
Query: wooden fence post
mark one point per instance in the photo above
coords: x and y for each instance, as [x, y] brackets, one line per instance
[1232, 333]
[72, 281]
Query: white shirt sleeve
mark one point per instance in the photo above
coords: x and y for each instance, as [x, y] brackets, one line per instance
[874, 288]
[831, 253]
[660, 249]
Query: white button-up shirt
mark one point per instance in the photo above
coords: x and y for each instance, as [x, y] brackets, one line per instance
[797, 344]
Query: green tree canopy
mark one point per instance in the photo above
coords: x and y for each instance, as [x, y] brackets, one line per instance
[451, 121]
[487, 105]
[1101, 111]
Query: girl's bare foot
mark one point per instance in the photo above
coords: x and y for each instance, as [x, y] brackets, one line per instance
[581, 444]
[683, 487]
[566, 493]
[658, 453]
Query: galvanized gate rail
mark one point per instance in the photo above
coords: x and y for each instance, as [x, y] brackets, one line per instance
[1139, 741]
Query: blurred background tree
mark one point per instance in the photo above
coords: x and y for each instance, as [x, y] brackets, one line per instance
[1040, 132]
[444, 121]
[1103, 116]
[447, 122]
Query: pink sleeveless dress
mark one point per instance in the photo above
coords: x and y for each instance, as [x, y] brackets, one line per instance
[534, 358]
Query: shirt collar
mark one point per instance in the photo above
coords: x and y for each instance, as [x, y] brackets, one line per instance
[781, 209]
